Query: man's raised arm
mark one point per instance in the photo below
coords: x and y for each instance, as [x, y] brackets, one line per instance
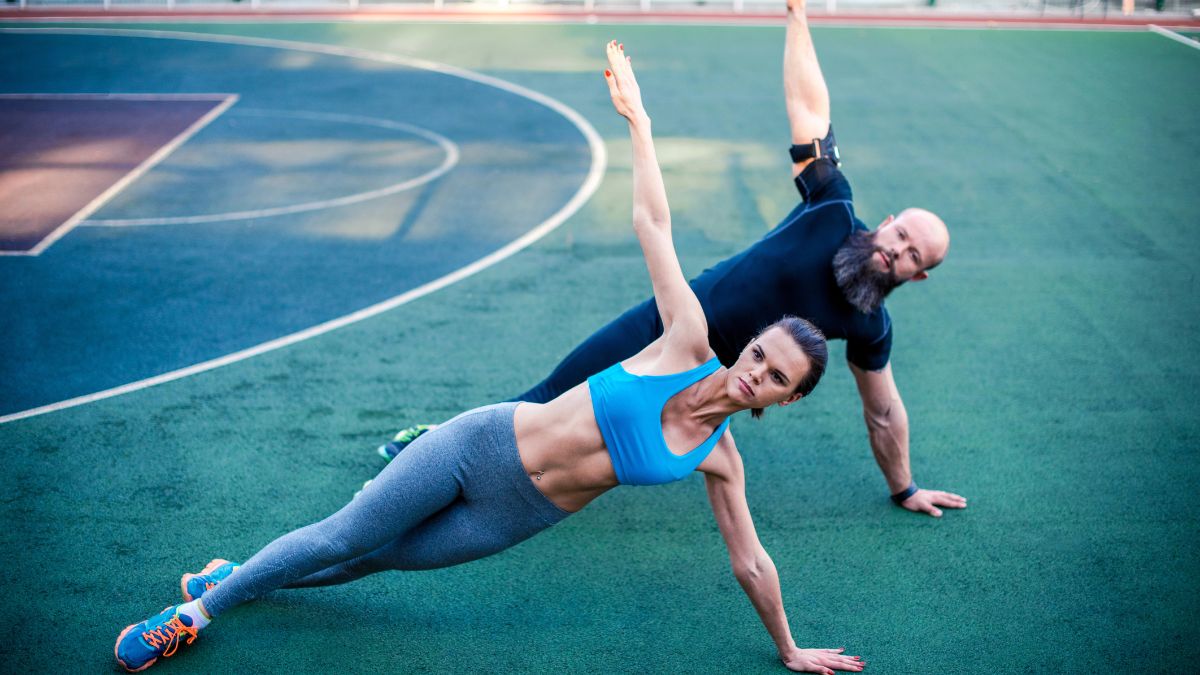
[887, 428]
[804, 87]
[887, 422]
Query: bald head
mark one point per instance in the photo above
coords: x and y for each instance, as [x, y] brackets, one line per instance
[930, 228]
[916, 241]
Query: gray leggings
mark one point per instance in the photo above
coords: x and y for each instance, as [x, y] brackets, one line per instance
[459, 493]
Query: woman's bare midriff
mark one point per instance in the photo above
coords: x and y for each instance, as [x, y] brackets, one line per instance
[563, 451]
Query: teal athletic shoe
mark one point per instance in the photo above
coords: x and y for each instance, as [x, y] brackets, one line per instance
[403, 439]
[140, 645]
[196, 585]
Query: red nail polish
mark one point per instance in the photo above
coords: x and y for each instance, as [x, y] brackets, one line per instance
[608, 73]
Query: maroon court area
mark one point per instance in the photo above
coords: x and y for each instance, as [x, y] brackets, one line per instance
[59, 154]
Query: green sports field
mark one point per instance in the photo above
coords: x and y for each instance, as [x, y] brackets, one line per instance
[1048, 367]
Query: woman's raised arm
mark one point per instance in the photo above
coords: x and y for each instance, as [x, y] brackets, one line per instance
[651, 215]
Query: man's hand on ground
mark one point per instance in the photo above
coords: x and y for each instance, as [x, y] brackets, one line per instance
[823, 661]
[928, 501]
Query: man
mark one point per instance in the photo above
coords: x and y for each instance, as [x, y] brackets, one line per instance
[821, 263]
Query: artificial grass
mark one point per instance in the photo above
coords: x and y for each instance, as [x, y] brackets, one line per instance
[1045, 367]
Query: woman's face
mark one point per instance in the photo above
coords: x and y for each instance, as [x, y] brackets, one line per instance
[768, 370]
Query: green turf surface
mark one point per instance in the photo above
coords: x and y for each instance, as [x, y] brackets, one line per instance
[1048, 369]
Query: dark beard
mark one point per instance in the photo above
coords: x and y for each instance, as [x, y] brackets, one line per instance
[864, 286]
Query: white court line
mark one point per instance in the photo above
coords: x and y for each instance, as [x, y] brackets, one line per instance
[1174, 36]
[146, 165]
[586, 189]
[449, 149]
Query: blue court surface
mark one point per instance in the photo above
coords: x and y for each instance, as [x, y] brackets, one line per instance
[333, 183]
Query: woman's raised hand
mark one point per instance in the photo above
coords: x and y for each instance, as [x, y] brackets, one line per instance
[824, 661]
[622, 85]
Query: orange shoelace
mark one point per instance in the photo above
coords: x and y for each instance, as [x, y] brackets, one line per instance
[168, 634]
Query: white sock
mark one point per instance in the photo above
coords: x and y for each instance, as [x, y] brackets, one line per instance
[192, 611]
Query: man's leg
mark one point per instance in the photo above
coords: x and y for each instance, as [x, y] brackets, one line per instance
[623, 337]
[620, 339]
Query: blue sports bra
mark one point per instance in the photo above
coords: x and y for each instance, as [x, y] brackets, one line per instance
[628, 410]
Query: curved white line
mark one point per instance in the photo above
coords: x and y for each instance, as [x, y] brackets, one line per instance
[449, 149]
[590, 183]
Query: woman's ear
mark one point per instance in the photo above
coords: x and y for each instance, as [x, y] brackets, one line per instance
[791, 399]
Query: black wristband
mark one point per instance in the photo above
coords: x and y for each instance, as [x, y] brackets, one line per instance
[907, 492]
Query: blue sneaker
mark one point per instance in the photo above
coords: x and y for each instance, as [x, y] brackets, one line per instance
[196, 585]
[403, 439]
[140, 645]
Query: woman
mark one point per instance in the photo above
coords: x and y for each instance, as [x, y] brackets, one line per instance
[497, 475]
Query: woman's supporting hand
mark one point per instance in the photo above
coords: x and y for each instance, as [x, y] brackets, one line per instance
[623, 86]
[820, 661]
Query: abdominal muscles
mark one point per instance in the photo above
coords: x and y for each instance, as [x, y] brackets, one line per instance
[562, 449]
